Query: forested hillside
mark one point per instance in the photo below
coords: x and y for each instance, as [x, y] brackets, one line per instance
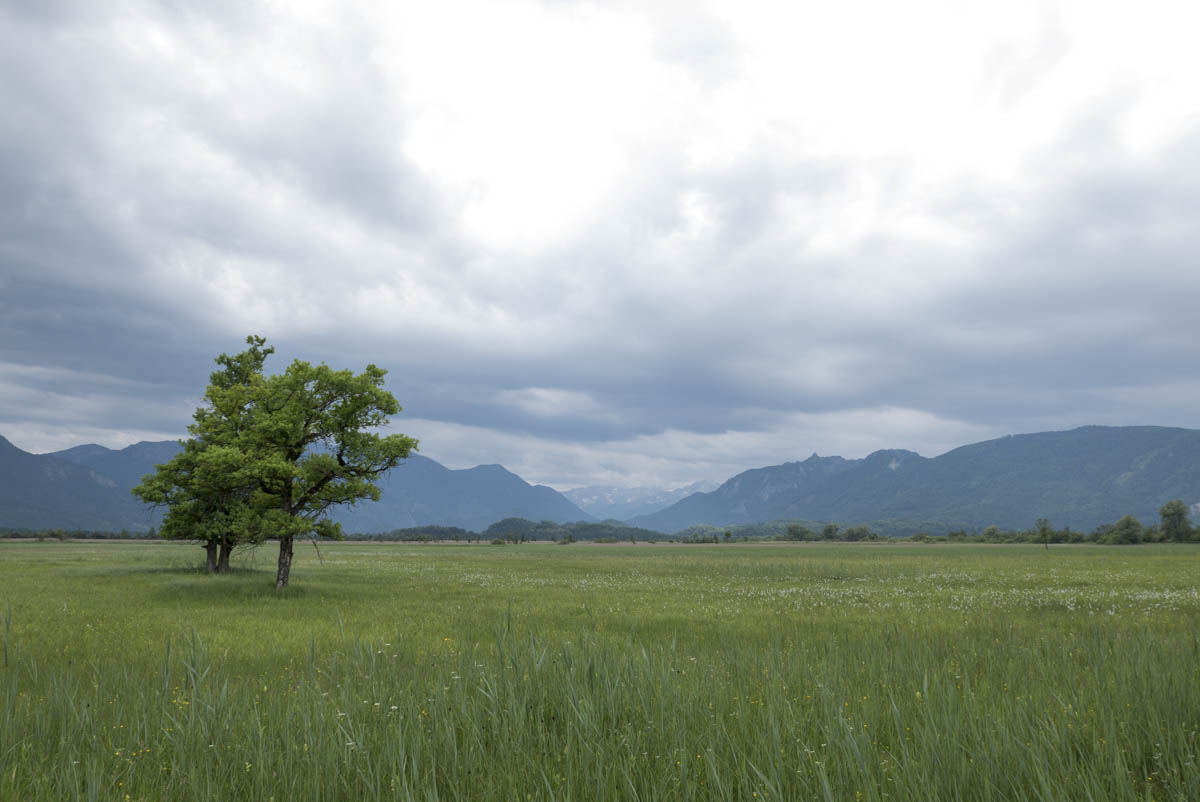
[1079, 478]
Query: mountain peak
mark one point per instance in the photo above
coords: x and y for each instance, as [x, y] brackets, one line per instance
[82, 454]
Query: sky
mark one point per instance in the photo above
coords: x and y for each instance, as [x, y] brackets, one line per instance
[625, 243]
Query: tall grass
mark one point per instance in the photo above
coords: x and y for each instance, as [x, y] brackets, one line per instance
[894, 689]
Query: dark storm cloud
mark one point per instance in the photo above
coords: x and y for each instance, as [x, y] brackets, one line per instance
[173, 181]
[1093, 289]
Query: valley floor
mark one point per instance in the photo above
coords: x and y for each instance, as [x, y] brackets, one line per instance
[652, 672]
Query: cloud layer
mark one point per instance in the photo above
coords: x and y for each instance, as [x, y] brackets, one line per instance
[607, 243]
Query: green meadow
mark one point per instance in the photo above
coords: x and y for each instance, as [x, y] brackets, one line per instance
[587, 672]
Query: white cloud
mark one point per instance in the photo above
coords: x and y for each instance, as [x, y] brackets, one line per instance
[47, 409]
[548, 402]
[674, 458]
[47, 438]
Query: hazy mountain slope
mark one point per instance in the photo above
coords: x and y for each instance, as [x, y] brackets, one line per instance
[761, 494]
[42, 491]
[127, 466]
[421, 491]
[621, 503]
[417, 492]
[1080, 478]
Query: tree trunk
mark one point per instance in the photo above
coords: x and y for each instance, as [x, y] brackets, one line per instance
[223, 560]
[210, 555]
[285, 561]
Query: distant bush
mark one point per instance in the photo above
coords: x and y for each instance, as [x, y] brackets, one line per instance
[799, 532]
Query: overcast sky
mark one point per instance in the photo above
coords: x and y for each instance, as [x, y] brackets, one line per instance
[607, 243]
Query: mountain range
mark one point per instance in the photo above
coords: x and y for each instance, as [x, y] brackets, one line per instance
[43, 491]
[1079, 478]
[87, 487]
[420, 491]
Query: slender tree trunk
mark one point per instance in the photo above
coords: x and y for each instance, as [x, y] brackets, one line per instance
[210, 554]
[223, 559]
[285, 561]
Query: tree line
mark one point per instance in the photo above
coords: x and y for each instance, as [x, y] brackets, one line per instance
[59, 533]
[1174, 526]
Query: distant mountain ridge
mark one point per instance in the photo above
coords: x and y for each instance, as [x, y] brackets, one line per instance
[1079, 478]
[45, 491]
[126, 466]
[622, 503]
[87, 487]
[420, 491]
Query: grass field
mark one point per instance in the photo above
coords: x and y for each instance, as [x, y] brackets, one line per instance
[651, 672]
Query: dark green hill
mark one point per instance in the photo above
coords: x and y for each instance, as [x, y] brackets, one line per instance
[1079, 478]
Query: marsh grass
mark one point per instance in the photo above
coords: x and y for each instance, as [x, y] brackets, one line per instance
[397, 672]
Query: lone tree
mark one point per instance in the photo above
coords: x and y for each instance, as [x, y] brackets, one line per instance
[1044, 529]
[1175, 524]
[293, 446]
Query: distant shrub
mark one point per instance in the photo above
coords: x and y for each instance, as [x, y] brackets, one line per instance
[1126, 531]
[794, 532]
